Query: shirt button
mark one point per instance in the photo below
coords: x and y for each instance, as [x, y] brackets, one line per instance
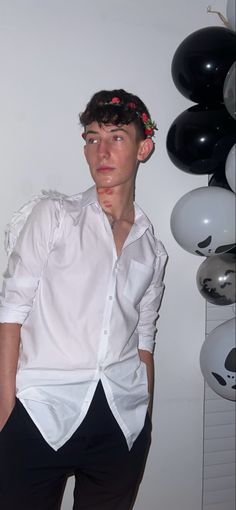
[105, 331]
[110, 297]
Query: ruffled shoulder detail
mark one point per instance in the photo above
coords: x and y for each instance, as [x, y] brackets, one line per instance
[19, 218]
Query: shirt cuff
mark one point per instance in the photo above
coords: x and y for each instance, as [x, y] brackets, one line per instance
[146, 344]
[12, 316]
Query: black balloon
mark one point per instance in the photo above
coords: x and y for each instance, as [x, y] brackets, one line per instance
[200, 139]
[201, 62]
[216, 279]
[219, 179]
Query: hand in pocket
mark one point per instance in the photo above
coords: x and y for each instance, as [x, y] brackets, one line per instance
[5, 415]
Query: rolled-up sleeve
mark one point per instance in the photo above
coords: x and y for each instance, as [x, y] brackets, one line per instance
[151, 302]
[27, 260]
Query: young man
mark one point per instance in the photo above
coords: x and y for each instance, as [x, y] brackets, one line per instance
[78, 311]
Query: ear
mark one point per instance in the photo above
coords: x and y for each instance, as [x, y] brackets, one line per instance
[146, 148]
[85, 152]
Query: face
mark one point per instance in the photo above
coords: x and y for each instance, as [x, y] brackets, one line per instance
[113, 153]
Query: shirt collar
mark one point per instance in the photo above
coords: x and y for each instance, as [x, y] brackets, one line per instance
[142, 223]
[89, 197]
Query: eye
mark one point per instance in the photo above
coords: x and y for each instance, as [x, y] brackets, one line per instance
[91, 140]
[118, 138]
[205, 243]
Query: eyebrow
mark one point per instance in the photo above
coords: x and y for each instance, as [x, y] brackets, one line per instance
[113, 130]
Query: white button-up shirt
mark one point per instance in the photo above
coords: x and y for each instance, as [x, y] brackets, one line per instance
[84, 312]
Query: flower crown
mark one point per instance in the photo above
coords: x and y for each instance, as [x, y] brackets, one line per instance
[149, 125]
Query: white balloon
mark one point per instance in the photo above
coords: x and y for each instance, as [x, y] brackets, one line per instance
[230, 168]
[203, 221]
[218, 360]
[230, 13]
[229, 91]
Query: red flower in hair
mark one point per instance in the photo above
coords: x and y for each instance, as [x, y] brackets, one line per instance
[145, 118]
[149, 132]
[132, 105]
[115, 100]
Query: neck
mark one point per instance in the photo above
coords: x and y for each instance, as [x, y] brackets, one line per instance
[116, 202]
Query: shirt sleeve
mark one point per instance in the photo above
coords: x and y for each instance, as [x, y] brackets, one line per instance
[27, 261]
[151, 302]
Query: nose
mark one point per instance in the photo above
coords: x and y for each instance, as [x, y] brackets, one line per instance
[103, 148]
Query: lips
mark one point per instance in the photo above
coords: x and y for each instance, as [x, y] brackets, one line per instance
[104, 169]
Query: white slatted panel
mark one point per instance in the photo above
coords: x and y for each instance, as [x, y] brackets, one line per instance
[219, 434]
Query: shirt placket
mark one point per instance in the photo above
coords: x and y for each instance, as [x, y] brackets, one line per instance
[105, 333]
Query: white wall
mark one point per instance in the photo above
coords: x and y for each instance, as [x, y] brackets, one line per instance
[54, 54]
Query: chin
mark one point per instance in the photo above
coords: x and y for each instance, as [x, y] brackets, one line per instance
[104, 183]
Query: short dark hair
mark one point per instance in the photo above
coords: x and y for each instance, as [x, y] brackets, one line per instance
[125, 109]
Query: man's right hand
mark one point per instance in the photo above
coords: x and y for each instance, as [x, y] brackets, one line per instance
[5, 413]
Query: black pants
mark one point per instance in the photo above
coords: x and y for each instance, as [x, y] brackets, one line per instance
[107, 474]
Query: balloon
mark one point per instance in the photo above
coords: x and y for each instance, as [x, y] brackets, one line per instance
[229, 91]
[218, 360]
[230, 13]
[200, 138]
[216, 278]
[219, 179]
[230, 168]
[201, 62]
[203, 221]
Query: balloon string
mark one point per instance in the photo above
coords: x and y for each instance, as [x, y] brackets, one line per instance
[223, 19]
